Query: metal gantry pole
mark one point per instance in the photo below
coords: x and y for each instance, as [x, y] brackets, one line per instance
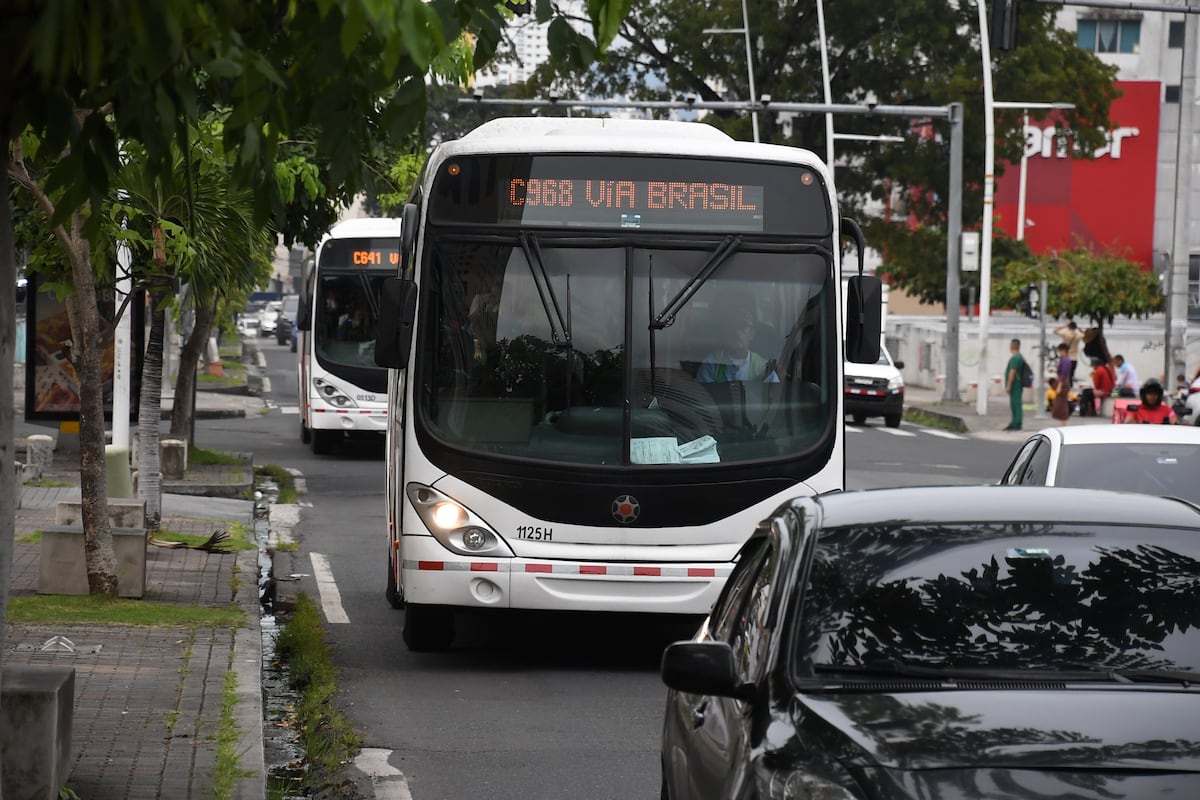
[954, 253]
[1180, 241]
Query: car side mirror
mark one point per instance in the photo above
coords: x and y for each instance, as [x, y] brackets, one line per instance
[899, 364]
[704, 668]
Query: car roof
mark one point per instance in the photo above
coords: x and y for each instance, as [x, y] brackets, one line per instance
[1123, 434]
[942, 505]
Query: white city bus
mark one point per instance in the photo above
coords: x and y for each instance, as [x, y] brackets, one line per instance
[576, 421]
[340, 388]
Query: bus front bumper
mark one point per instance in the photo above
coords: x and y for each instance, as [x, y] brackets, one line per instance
[432, 575]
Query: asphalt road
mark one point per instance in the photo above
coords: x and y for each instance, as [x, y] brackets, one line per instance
[525, 706]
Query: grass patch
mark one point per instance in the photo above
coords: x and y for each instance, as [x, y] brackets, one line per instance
[226, 772]
[207, 458]
[233, 374]
[48, 483]
[287, 547]
[283, 479]
[95, 609]
[328, 738]
[30, 538]
[234, 542]
[944, 422]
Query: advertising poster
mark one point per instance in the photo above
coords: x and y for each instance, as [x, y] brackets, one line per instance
[51, 385]
[1104, 203]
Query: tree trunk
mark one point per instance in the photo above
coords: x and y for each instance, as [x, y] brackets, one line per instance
[150, 413]
[87, 350]
[183, 413]
[8, 488]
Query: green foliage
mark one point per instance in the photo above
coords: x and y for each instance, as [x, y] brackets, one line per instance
[51, 609]
[1083, 284]
[328, 737]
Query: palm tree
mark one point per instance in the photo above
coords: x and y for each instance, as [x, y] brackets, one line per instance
[200, 233]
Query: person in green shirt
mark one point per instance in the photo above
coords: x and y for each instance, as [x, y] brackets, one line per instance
[1013, 385]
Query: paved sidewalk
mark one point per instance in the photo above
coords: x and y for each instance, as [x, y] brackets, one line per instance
[148, 700]
[990, 425]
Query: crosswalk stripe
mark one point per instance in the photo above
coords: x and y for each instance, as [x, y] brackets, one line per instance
[897, 432]
[289, 409]
[942, 434]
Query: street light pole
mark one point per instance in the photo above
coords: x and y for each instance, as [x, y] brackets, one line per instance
[829, 137]
[745, 31]
[985, 244]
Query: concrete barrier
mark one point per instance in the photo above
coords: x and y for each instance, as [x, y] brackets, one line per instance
[37, 703]
[174, 459]
[62, 565]
[123, 512]
[39, 451]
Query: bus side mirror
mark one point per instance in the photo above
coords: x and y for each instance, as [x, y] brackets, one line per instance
[397, 316]
[410, 218]
[303, 320]
[864, 327]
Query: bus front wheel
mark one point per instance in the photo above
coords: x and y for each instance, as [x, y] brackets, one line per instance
[428, 629]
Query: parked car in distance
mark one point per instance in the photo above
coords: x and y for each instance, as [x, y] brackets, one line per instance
[268, 318]
[947, 642]
[287, 319]
[875, 390]
[1162, 460]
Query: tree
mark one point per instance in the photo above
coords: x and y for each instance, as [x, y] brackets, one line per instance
[1080, 283]
[920, 52]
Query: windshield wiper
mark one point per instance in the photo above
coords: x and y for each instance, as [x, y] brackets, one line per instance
[537, 268]
[1137, 675]
[728, 246]
[895, 667]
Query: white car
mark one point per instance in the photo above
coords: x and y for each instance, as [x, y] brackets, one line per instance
[1162, 460]
[875, 390]
[268, 317]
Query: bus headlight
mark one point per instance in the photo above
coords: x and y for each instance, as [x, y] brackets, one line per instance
[332, 394]
[455, 526]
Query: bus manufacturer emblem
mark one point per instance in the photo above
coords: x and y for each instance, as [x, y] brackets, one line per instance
[625, 509]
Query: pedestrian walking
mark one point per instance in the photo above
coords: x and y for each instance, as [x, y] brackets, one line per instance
[1014, 385]
[1061, 410]
[1072, 337]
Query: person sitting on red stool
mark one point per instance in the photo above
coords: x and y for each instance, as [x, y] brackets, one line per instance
[1152, 409]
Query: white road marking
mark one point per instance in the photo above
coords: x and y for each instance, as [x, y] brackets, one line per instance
[942, 434]
[388, 781]
[331, 598]
[897, 432]
[289, 409]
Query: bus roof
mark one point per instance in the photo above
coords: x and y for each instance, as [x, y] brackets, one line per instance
[627, 136]
[364, 226]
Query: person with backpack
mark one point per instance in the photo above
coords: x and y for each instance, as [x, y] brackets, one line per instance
[1015, 385]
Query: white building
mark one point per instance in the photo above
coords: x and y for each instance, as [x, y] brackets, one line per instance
[1148, 46]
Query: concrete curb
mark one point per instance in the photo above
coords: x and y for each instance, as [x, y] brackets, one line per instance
[950, 422]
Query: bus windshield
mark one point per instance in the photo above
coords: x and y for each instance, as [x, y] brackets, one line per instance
[546, 348]
[350, 272]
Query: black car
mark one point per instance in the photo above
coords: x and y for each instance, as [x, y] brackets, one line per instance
[949, 642]
[287, 321]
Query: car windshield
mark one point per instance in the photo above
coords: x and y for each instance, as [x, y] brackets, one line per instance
[1002, 596]
[1163, 469]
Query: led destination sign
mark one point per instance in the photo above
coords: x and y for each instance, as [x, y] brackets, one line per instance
[631, 192]
[366, 253]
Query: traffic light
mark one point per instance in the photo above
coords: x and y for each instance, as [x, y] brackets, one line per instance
[1004, 24]
[1029, 301]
